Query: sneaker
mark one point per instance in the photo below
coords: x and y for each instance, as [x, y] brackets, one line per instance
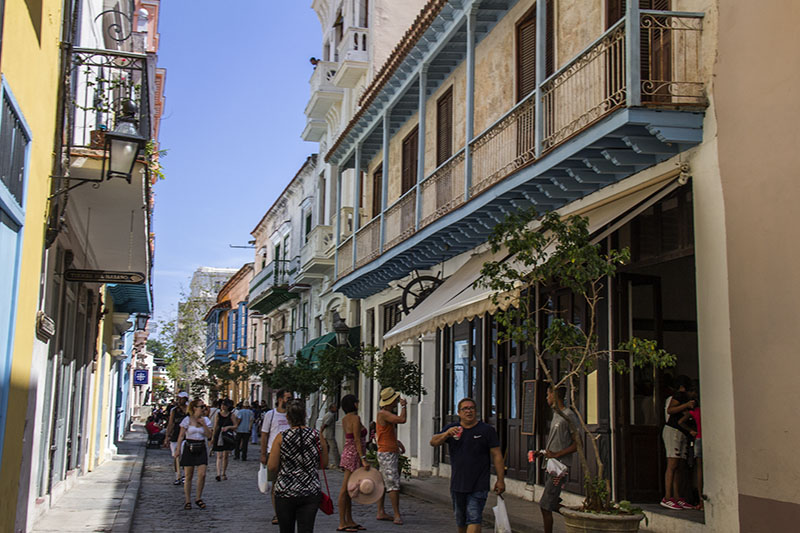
[177, 482]
[683, 505]
[670, 504]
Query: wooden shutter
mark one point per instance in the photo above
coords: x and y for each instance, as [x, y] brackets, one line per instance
[526, 56]
[377, 191]
[549, 40]
[444, 127]
[410, 149]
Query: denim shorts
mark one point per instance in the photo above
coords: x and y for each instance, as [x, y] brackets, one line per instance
[468, 506]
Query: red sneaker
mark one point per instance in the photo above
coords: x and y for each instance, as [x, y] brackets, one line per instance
[670, 504]
[683, 505]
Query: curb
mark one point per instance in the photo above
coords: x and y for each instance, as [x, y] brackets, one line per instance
[124, 517]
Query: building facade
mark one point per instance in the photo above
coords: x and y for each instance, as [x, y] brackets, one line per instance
[616, 111]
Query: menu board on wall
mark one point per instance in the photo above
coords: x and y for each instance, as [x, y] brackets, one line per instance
[528, 407]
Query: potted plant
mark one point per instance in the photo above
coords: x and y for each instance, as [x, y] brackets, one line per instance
[549, 251]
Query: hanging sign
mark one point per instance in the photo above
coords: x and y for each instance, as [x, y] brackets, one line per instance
[103, 276]
[140, 377]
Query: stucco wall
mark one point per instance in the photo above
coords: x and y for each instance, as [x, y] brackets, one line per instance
[389, 20]
[757, 76]
[30, 66]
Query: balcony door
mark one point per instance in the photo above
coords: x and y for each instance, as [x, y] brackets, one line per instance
[526, 73]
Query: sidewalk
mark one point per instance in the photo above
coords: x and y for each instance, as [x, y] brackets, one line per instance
[524, 516]
[102, 500]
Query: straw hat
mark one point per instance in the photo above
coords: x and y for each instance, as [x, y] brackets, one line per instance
[365, 486]
[388, 395]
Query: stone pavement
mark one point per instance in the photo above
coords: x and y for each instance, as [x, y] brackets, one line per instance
[237, 505]
[104, 499]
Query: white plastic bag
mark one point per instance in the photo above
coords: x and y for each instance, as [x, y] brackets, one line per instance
[501, 523]
[555, 467]
[263, 484]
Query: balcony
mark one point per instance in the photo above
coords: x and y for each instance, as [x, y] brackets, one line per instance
[218, 351]
[353, 57]
[599, 121]
[316, 256]
[323, 92]
[272, 286]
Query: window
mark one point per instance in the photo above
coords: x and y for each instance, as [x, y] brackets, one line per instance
[15, 138]
[526, 50]
[444, 127]
[377, 191]
[410, 158]
[307, 225]
[392, 313]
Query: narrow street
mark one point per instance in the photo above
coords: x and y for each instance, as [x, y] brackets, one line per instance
[237, 505]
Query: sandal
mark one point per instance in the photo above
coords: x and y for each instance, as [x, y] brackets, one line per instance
[187, 506]
[274, 520]
[218, 478]
[397, 521]
[351, 529]
[200, 503]
[359, 527]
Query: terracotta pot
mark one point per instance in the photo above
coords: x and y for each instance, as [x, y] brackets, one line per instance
[580, 522]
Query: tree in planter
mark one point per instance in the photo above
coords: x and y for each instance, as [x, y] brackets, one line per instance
[560, 253]
[392, 369]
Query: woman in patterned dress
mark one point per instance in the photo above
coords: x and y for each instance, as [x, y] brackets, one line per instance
[296, 455]
[353, 458]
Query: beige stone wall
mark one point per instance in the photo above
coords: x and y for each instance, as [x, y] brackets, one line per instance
[389, 20]
[757, 76]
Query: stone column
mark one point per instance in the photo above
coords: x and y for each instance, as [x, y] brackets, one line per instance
[426, 409]
[408, 432]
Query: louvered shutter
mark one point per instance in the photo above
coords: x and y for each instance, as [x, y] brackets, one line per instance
[377, 191]
[526, 57]
[444, 127]
[550, 42]
[410, 146]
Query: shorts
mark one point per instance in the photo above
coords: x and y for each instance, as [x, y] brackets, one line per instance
[390, 470]
[468, 506]
[551, 497]
[698, 448]
[674, 442]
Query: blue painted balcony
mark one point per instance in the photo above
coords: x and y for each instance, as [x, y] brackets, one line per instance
[218, 351]
[631, 99]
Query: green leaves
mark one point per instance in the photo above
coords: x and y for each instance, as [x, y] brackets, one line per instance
[300, 377]
[337, 364]
[392, 369]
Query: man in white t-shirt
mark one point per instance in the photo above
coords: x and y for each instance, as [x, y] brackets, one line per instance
[273, 425]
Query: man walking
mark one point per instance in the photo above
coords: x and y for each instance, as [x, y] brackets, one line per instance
[245, 416]
[274, 424]
[474, 448]
[328, 430]
[559, 444]
[389, 450]
[176, 416]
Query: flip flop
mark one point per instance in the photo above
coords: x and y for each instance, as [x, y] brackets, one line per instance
[347, 528]
[187, 506]
[359, 527]
[398, 521]
[274, 520]
[387, 518]
[200, 503]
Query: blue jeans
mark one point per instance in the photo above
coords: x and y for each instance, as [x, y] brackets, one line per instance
[468, 506]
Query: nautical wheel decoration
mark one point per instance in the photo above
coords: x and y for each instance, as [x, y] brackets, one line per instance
[417, 290]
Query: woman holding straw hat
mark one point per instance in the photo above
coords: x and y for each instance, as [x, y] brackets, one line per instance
[389, 450]
[353, 458]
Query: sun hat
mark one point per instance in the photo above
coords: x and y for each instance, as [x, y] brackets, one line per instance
[388, 395]
[365, 486]
[183, 395]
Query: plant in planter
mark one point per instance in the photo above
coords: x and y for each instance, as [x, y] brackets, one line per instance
[559, 253]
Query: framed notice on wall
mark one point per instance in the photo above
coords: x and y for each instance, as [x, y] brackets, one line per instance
[528, 407]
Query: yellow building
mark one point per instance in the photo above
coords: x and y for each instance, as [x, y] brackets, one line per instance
[29, 63]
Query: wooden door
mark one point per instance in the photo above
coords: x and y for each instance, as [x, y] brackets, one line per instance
[640, 417]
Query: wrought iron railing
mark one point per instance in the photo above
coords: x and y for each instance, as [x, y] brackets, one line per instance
[672, 67]
[368, 242]
[400, 219]
[345, 261]
[586, 89]
[101, 83]
[505, 147]
[443, 190]
[276, 273]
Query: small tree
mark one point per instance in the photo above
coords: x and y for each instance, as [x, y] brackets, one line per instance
[392, 369]
[337, 364]
[560, 253]
[300, 377]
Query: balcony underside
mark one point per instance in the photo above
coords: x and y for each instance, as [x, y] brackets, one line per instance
[218, 359]
[272, 299]
[625, 142]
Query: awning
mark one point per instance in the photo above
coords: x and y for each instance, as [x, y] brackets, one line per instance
[456, 300]
[130, 298]
[317, 345]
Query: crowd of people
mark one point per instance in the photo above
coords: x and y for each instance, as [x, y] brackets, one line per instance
[293, 453]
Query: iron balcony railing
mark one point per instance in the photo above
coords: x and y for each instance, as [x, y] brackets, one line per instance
[275, 274]
[585, 90]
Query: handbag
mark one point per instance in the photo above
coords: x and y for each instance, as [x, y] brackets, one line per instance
[196, 448]
[228, 438]
[325, 502]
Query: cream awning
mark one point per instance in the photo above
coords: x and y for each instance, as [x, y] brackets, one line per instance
[457, 300]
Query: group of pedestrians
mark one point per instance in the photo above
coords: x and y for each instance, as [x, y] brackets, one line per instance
[294, 453]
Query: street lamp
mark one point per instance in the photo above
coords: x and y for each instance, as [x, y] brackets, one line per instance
[141, 321]
[341, 330]
[122, 145]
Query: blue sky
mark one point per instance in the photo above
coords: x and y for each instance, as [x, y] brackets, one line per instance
[237, 84]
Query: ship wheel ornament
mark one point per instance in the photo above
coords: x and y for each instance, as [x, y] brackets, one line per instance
[417, 290]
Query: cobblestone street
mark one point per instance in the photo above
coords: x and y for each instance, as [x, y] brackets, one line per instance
[237, 505]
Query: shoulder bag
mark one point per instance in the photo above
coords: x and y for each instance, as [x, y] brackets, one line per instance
[325, 503]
